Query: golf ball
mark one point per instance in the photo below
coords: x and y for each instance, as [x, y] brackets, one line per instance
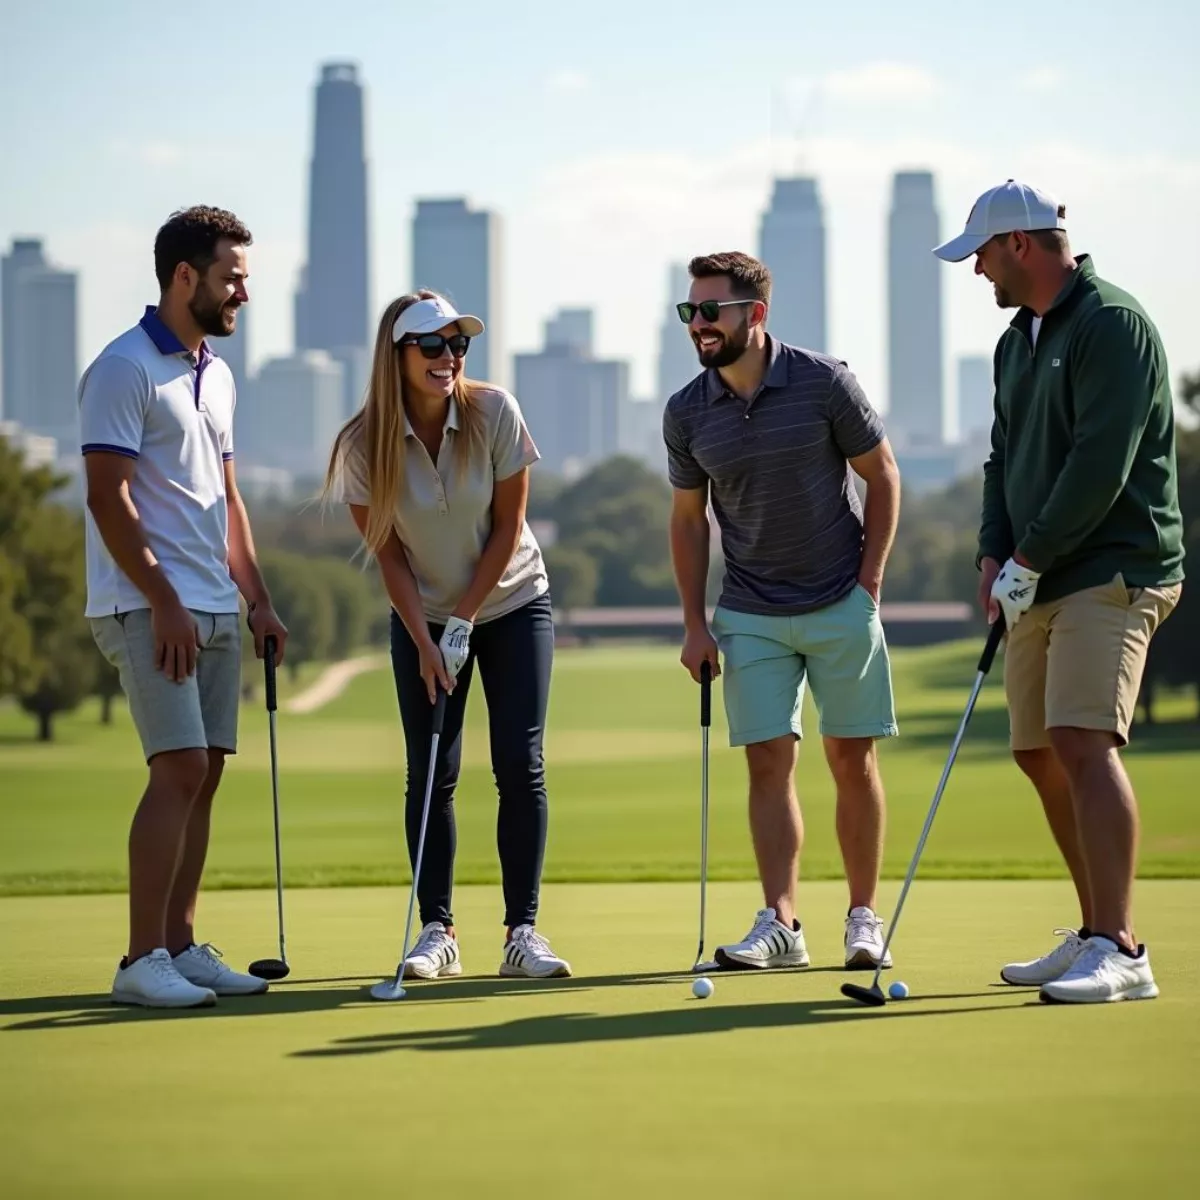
[898, 990]
[702, 988]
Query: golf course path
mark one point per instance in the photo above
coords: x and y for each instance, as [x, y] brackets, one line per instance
[332, 682]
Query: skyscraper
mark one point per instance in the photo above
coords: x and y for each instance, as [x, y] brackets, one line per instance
[792, 244]
[914, 314]
[975, 395]
[331, 308]
[293, 415]
[40, 352]
[456, 251]
[677, 361]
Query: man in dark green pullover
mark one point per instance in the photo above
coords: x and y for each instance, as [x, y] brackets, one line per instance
[1081, 550]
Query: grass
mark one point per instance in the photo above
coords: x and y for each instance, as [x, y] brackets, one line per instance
[613, 1083]
[623, 775]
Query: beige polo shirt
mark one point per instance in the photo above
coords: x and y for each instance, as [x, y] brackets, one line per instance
[443, 514]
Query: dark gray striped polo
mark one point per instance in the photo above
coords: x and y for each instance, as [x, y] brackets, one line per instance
[780, 485]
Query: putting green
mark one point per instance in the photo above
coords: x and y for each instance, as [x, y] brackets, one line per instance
[613, 1083]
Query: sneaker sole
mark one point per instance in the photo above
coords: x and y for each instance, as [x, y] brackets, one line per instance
[1035, 983]
[862, 960]
[238, 991]
[1147, 991]
[731, 962]
[135, 999]
[507, 971]
[454, 968]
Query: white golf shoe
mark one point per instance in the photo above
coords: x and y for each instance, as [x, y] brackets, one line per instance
[1102, 973]
[769, 943]
[527, 953]
[153, 982]
[435, 954]
[864, 941]
[202, 966]
[1050, 966]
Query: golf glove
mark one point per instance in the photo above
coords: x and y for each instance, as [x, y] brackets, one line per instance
[1014, 590]
[455, 645]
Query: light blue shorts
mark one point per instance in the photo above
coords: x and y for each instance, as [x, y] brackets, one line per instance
[839, 649]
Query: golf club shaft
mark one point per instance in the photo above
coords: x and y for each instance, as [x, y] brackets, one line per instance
[278, 847]
[985, 663]
[705, 722]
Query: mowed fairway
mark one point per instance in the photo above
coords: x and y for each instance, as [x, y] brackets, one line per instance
[623, 771]
[614, 1083]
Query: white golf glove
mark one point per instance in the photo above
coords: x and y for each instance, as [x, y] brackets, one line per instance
[1014, 590]
[455, 645]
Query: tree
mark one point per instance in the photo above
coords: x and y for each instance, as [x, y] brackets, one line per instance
[305, 602]
[107, 688]
[354, 603]
[574, 577]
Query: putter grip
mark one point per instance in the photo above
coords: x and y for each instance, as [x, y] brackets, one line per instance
[706, 693]
[995, 636]
[269, 664]
[439, 709]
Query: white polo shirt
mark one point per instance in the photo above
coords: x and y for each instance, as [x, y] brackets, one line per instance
[443, 515]
[148, 397]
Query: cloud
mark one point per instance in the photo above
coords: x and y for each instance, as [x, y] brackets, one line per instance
[150, 153]
[566, 81]
[877, 82]
[1042, 80]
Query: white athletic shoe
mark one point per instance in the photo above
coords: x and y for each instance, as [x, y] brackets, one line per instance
[528, 954]
[202, 966]
[435, 954]
[1050, 966]
[1101, 974]
[769, 943]
[153, 982]
[864, 940]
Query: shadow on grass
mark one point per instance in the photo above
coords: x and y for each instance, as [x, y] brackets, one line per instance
[688, 1020]
[303, 996]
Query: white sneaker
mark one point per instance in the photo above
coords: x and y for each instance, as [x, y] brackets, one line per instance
[1050, 966]
[202, 966]
[1103, 973]
[153, 982]
[527, 953]
[435, 954]
[769, 943]
[864, 940]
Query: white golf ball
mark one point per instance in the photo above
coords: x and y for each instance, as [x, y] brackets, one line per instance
[702, 988]
[898, 990]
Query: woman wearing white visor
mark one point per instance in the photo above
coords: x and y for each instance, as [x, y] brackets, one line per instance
[435, 469]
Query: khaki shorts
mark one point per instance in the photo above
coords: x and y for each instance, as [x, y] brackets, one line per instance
[199, 711]
[1078, 661]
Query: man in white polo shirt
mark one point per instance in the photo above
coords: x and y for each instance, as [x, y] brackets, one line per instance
[168, 550]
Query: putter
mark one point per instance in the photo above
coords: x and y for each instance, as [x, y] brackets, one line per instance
[873, 995]
[273, 968]
[393, 989]
[705, 721]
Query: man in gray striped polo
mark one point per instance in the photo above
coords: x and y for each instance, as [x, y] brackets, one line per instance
[770, 434]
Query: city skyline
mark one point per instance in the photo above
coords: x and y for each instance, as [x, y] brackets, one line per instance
[602, 177]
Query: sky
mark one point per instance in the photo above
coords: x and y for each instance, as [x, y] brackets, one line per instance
[611, 139]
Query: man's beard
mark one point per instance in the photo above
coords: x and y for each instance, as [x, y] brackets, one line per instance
[214, 318]
[1003, 297]
[731, 348]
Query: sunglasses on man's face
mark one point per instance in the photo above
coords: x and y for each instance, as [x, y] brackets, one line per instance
[432, 345]
[710, 310]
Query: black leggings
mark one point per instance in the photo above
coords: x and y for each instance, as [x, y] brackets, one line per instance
[515, 653]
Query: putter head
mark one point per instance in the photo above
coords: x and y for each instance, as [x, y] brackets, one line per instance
[872, 995]
[389, 989]
[269, 968]
[701, 968]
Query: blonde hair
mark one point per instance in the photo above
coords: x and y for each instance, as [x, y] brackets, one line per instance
[377, 429]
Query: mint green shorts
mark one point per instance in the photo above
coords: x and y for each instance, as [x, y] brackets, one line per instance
[840, 650]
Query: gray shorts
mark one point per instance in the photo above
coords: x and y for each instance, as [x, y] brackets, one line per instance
[199, 711]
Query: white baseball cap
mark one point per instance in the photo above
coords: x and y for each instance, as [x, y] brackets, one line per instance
[1005, 209]
[428, 316]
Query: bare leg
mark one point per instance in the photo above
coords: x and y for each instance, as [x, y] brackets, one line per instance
[854, 765]
[181, 908]
[1106, 818]
[156, 840]
[775, 822]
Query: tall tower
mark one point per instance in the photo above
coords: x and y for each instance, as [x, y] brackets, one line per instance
[677, 360]
[331, 308]
[456, 251]
[915, 382]
[792, 244]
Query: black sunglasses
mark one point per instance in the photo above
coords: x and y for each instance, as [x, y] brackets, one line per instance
[710, 310]
[432, 344]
